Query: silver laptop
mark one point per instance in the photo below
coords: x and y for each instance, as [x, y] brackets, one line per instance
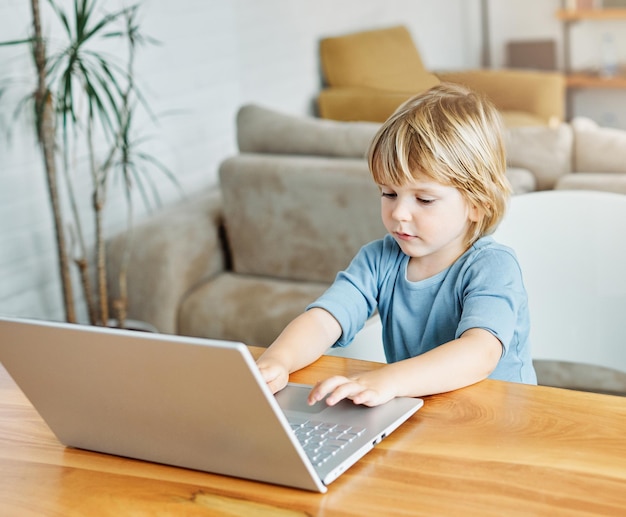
[193, 403]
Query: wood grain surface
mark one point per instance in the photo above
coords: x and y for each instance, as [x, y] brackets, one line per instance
[494, 448]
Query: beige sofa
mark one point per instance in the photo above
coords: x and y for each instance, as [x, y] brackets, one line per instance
[576, 155]
[292, 208]
[241, 261]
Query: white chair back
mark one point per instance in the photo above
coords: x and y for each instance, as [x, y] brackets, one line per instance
[571, 245]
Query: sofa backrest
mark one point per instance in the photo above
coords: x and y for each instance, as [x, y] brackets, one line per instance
[297, 217]
[263, 130]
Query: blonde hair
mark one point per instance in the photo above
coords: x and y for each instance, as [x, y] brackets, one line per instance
[453, 136]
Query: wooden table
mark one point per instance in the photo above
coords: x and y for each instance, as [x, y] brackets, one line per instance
[494, 448]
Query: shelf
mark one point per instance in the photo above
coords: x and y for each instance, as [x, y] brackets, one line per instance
[589, 78]
[574, 15]
[586, 80]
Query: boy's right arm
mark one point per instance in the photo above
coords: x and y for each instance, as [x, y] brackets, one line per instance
[303, 341]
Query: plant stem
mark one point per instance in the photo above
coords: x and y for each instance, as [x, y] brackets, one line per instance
[121, 304]
[99, 183]
[78, 238]
[46, 133]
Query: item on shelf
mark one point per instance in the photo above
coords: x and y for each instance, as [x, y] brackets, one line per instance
[532, 54]
[587, 4]
[609, 66]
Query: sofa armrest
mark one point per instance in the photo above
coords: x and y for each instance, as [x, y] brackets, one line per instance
[540, 93]
[170, 253]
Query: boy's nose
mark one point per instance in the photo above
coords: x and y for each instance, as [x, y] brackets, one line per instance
[401, 211]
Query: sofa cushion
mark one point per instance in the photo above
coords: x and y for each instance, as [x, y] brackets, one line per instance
[607, 181]
[354, 104]
[382, 59]
[246, 308]
[598, 149]
[522, 180]
[262, 130]
[543, 150]
[512, 118]
[297, 217]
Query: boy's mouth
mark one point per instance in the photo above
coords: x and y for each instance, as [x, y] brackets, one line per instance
[404, 236]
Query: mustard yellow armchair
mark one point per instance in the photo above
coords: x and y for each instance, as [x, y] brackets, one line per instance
[369, 74]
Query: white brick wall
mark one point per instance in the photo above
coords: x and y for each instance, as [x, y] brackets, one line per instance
[215, 56]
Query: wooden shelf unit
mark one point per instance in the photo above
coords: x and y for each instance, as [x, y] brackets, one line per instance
[581, 79]
[585, 80]
[575, 15]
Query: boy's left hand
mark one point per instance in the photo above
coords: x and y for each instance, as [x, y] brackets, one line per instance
[369, 389]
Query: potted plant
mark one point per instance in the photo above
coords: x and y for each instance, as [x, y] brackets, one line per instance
[85, 103]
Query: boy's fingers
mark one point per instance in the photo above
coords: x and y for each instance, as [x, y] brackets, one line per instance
[277, 383]
[335, 389]
[348, 390]
[323, 388]
[274, 378]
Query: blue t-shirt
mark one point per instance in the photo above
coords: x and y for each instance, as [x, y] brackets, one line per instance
[482, 289]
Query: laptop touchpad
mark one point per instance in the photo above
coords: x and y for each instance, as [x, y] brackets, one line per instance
[294, 398]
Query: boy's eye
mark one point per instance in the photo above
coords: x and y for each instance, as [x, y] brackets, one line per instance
[388, 194]
[425, 201]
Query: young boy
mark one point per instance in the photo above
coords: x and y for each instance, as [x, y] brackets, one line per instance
[451, 300]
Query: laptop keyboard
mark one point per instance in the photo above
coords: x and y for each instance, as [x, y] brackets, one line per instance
[322, 440]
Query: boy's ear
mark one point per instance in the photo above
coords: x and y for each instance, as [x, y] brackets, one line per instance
[476, 213]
